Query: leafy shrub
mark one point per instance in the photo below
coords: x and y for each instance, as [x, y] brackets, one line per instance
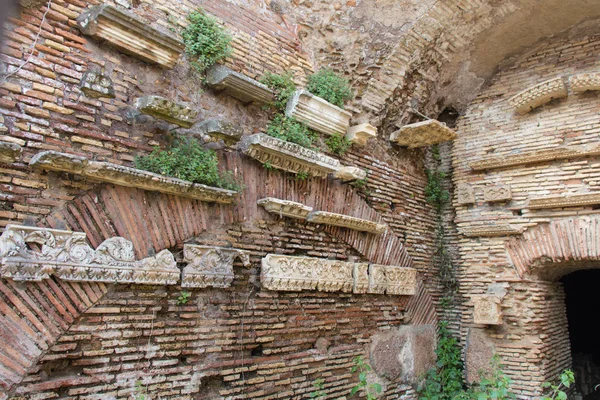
[338, 144]
[290, 130]
[491, 386]
[567, 378]
[206, 41]
[189, 161]
[283, 86]
[330, 86]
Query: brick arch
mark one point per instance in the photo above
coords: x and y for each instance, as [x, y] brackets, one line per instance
[553, 249]
[154, 222]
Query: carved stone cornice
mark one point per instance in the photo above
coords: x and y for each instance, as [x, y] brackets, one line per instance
[317, 113]
[167, 110]
[423, 133]
[585, 82]
[509, 160]
[209, 266]
[130, 34]
[360, 134]
[285, 208]
[491, 231]
[126, 176]
[346, 221]
[487, 309]
[287, 156]
[9, 152]
[33, 254]
[465, 194]
[575, 200]
[497, 193]
[238, 85]
[537, 95]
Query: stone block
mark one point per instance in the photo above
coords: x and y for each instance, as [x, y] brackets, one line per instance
[360, 273]
[346, 221]
[538, 95]
[209, 266]
[285, 208]
[497, 193]
[238, 85]
[377, 279]
[167, 110]
[491, 231]
[9, 152]
[423, 134]
[317, 113]
[585, 82]
[287, 156]
[572, 200]
[479, 351]
[349, 174]
[97, 84]
[465, 194]
[360, 134]
[33, 254]
[133, 36]
[220, 129]
[487, 309]
[401, 281]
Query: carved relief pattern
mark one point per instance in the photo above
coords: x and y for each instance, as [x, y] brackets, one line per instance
[361, 278]
[487, 309]
[578, 200]
[584, 82]
[317, 113]
[401, 281]
[210, 266]
[377, 279]
[346, 221]
[465, 193]
[285, 208]
[540, 94]
[497, 193]
[30, 253]
[491, 231]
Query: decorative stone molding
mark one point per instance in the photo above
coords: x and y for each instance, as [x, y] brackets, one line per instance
[348, 174]
[131, 177]
[237, 85]
[210, 266]
[360, 134]
[33, 254]
[533, 158]
[540, 94]
[287, 156]
[97, 84]
[360, 272]
[487, 309]
[220, 129]
[401, 281]
[497, 193]
[346, 221]
[9, 152]
[377, 279]
[491, 231]
[465, 194]
[585, 82]
[285, 208]
[423, 133]
[130, 34]
[317, 113]
[575, 200]
[167, 110]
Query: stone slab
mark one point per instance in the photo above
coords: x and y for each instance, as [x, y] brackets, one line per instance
[167, 110]
[317, 113]
[421, 134]
[235, 84]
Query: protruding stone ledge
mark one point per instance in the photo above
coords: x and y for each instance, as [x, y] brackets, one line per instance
[34, 254]
[96, 84]
[9, 152]
[130, 34]
[209, 266]
[287, 156]
[533, 158]
[126, 176]
[167, 110]
[423, 133]
[360, 134]
[585, 82]
[289, 273]
[346, 221]
[317, 113]
[285, 208]
[538, 95]
[487, 309]
[491, 231]
[465, 194]
[237, 85]
[497, 193]
[220, 129]
[575, 200]
[349, 174]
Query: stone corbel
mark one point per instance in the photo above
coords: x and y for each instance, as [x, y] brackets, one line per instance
[238, 85]
[34, 254]
[317, 113]
[209, 266]
[360, 134]
[423, 133]
[167, 110]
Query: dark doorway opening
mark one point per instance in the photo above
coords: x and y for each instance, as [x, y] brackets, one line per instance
[582, 290]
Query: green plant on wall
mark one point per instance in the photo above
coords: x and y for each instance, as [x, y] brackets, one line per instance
[330, 86]
[370, 389]
[338, 144]
[283, 86]
[556, 392]
[206, 41]
[290, 130]
[189, 161]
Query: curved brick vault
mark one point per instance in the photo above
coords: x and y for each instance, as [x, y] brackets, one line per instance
[37, 314]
